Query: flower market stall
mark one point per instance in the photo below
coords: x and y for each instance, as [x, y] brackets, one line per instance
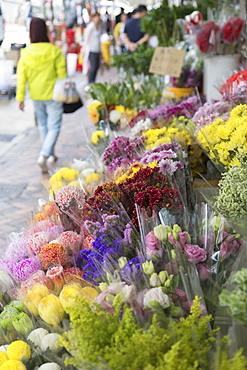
[137, 257]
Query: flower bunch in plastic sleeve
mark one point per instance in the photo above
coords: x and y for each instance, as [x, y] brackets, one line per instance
[223, 140]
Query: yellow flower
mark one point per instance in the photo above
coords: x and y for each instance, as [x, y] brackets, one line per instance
[93, 111]
[96, 136]
[70, 175]
[94, 178]
[13, 365]
[19, 350]
[90, 293]
[69, 294]
[55, 178]
[56, 187]
[39, 289]
[239, 111]
[51, 310]
[40, 217]
[31, 302]
[75, 183]
[3, 357]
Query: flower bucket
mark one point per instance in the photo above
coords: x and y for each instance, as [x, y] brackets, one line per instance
[217, 69]
[181, 92]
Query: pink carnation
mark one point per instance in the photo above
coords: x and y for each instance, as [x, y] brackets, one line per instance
[194, 253]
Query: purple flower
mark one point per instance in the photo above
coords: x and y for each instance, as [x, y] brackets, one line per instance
[55, 231]
[17, 250]
[132, 271]
[25, 268]
[168, 166]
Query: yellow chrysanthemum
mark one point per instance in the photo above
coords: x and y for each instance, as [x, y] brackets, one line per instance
[93, 111]
[70, 175]
[94, 178]
[3, 357]
[239, 111]
[19, 350]
[75, 183]
[120, 108]
[129, 174]
[55, 178]
[56, 186]
[13, 365]
[96, 136]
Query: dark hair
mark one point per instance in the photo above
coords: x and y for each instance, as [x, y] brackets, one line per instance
[141, 8]
[96, 14]
[38, 31]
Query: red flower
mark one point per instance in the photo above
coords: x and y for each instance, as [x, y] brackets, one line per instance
[206, 39]
[231, 30]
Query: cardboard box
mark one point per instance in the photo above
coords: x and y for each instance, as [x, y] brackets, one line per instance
[13, 55]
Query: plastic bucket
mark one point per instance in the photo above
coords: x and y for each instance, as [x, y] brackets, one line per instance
[71, 63]
[6, 72]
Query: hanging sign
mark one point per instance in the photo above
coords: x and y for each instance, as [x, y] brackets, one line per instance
[167, 61]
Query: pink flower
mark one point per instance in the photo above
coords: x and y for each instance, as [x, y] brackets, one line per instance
[127, 294]
[183, 238]
[171, 268]
[204, 271]
[179, 295]
[153, 246]
[229, 245]
[194, 253]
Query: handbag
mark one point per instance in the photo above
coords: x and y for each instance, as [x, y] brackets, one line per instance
[72, 107]
[65, 92]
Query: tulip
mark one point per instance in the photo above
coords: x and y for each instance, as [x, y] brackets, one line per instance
[89, 293]
[51, 310]
[22, 323]
[39, 289]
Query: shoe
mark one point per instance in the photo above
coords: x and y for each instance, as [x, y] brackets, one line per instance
[42, 163]
[52, 159]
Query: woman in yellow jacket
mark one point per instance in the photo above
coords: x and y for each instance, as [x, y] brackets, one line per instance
[38, 68]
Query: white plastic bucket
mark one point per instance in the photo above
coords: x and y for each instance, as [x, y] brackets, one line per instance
[6, 72]
[71, 64]
[217, 69]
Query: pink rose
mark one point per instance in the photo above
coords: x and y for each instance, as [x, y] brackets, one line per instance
[204, 271]
[194, 253]
[229, 245]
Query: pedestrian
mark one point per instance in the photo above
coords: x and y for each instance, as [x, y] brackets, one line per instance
[118, 17]
[133, 35]
[118, 34]
[38, 68]
[91, 49]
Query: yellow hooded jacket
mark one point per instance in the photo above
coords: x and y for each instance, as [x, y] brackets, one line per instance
[39, 66]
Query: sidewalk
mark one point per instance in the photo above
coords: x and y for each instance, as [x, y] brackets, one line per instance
[21, 180]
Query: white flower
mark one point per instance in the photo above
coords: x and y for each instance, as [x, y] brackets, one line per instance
[49, 366]
[154, 298]
[37, 335]
[80, 165]
[88, 171]
[49, 341]
[142, 125]
[114, 116]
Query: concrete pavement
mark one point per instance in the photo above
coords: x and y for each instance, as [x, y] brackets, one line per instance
[20, 177]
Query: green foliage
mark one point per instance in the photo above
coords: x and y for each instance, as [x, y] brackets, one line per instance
[99, 337]
[135, 63]
[124, 93]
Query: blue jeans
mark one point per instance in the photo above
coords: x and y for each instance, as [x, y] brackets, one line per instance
[49, 118]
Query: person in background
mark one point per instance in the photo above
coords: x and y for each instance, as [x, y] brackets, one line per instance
[118, 34]
[91, 49]
[133, 36]
[38, 68]
[118, 17]
[107, 23]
